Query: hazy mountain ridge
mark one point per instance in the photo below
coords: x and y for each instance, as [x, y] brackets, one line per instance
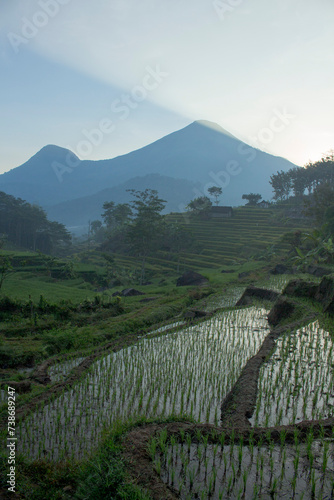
[202, 154]
[81, 210]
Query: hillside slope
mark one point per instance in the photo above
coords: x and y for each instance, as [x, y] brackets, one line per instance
[250, 233]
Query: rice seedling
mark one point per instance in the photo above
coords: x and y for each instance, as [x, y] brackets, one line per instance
[240, 452]
[325, 456]
[188, 439]
[157, 465]
[152, 448]
[222, 439]
[173, 475]
[244, 479]
[274, 487]
[191, 476]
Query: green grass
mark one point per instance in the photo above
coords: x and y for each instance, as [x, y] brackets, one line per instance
[27, 341]
[22, 285]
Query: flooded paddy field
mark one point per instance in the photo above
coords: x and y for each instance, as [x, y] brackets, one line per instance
[228, 299]
[233, 470]
[277, 282]
[297, 382]
[186, 372]
[231, 295]
[59, 371]
[178, 371]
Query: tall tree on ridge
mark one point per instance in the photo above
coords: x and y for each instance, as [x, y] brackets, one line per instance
[146, 229]
[215, 192]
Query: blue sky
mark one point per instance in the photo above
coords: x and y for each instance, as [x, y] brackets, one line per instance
[138, 70]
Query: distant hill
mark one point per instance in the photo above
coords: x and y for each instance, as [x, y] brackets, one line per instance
[201, 154]
[177, 193]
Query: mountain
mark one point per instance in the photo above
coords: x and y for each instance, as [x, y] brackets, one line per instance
[202, 153]
[36, 180]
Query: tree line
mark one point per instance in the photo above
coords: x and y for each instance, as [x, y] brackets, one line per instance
[27, 226]
[303, 180]
[311, 187]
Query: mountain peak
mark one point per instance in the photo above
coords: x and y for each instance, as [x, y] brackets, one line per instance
[207, 123]
[52, 147]
[213, 126]
[53, 152]
[39, 170]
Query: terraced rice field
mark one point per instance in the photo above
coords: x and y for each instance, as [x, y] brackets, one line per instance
[250, 232]
[297, 382]
[186, 372]
[209, 467]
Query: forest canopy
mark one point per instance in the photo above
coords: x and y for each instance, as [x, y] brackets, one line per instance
[27, 226]
[300, 180]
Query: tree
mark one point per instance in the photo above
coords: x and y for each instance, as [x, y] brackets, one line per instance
[98, 231]
[317, 204]
[95, 226]
[5, 265]
[253, 199]
[59, 238]
[107, 216]
[300, 179]
[281, 184]
[200, 206]
[215, 192]
[5, 269]
[116, 216]
[178, 240]
[329, 220]
[146, 229]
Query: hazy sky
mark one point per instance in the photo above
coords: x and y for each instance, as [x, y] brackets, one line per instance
[140, 69]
